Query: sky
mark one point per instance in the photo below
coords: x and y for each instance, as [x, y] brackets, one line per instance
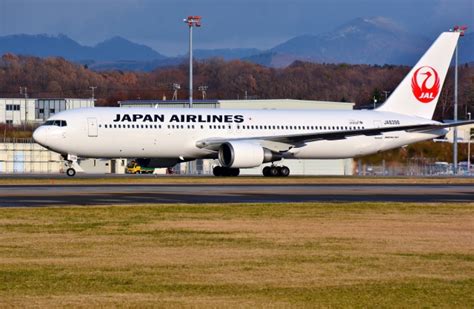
[226, 23]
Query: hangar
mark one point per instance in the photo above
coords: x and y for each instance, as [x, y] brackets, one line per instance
[17, 111]
[24, 156]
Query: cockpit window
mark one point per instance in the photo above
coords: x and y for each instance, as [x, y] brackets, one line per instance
[58, 123]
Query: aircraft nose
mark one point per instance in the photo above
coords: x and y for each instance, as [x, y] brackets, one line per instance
[40, 136]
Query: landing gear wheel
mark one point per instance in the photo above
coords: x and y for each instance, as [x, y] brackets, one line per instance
[273, 171]
[266, 171]
[284, 171]
[71, 172]
[217, 171]
[225, 171]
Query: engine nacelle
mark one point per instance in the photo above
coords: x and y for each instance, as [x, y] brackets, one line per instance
[245, 155]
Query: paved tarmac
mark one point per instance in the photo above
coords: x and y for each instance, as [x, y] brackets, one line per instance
[116, 194]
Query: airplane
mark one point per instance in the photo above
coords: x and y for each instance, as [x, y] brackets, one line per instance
[163, 137]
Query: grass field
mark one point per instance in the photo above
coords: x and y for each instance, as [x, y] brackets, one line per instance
[243, 255]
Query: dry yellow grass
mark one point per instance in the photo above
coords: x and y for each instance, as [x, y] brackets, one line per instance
[243, 255]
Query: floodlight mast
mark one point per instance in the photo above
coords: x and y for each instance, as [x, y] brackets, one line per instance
[192, 21]
[461, 30]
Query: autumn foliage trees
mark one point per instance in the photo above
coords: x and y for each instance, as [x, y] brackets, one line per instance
[56, 77]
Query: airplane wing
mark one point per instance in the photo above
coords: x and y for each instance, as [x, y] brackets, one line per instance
[301, 139]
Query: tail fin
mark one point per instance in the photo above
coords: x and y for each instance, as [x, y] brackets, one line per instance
[418, 93]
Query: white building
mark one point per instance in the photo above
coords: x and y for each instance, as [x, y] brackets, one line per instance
[17, 111]
[24, 156]
[17, 156]
[297, 167]
[465, 133]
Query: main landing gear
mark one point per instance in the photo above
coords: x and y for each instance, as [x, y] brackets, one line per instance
[275, 171]
[225, 171]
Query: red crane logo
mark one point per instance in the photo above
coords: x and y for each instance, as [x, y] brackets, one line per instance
[429, 88]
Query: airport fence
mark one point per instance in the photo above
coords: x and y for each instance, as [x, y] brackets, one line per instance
[414, 168]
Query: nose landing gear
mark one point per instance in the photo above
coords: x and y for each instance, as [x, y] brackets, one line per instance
[70, 162]
[275, 171]
[71, 172]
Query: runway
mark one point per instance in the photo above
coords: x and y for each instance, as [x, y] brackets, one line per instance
[116, 194]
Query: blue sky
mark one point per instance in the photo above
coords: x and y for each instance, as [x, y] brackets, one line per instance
[226, 23]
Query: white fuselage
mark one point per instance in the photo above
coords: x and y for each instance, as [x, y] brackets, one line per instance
[174, 133]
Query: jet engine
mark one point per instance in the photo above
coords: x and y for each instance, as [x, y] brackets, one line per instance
[245, 155]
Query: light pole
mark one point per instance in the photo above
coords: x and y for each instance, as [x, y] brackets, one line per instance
[203, 90]
[176, 87]
[469, 153]
[192, 21]
[24, 91]
[92, 89]
[461, 30]
[469, 149]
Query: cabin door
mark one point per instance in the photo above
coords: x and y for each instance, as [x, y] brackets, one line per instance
[92, 127]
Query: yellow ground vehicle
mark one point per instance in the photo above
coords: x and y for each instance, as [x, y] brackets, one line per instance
[134, 168]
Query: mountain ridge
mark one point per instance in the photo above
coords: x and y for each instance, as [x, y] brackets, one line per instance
[374, 40]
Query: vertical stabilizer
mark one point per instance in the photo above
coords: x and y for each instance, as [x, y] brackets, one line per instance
[418, 93]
